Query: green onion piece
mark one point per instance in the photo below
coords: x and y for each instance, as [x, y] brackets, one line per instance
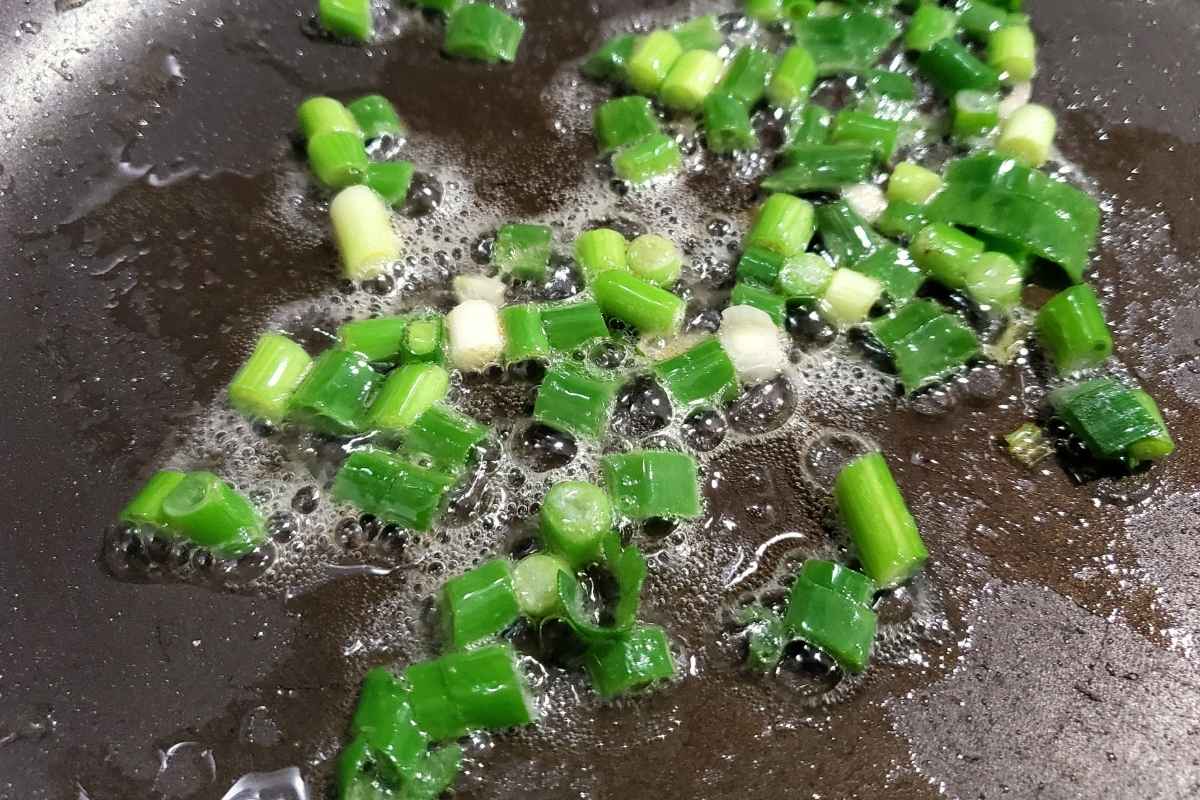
[746, 77]
[701, 33]
[805, 277]
[749, 293]
[379, 339]
[1013, 51]
[808, 125]
[846, 235]
[849, 298]
[727, 126]
[891, 85]
[793, 79]
[623, 121]
[574, 400]
[884, 532]
[951, 67]
[649, 308]
[895, 270]
[850, 42]
[535, 581]
[637, 659]
[608, 63]
[479, 603]
[434, 711]
[390, 180]
[334, 396]
[383, 720]
[576, 516]
[1114, 422]
[995, 281]
[798, 9]
[912, 183]
[1028, 445]
[701, 373]
[783, 224]
[1028, 135]
[523, 251]
[946, 253]
[338, 159]
[979, 19]
[627, 567]
[318, 115]
[483, 33]
[974, 113]
[653, 56]
[766, 637]
[348, 18]
[211, 513]
[377, 117]
[760, 265]
[655, 259]
[930, 24]
[446, 436]
[653, 483]
[902, 220]
[408, 393]
[764, 10]
[568, 325]
[264, 384]
[654, 156]
[599, 250]
[832, 622]
[470, 690]
[146, 506]
[692, 78]
[524, 337]
[424, 341]
[362, 229]
[395, 490]
[822, 168]
[851, 584]
[925, 342]
[860, 128]
[1072, 329]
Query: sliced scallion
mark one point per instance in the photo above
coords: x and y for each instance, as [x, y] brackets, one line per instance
[884, 532]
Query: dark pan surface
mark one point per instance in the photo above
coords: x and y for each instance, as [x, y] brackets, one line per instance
[1068, 667]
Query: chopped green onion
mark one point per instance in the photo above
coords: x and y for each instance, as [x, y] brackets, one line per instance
[348, 18]
[535, 581]
[829, 620]
[749, 293]
[890, 85]
[627, 567]
[845, 234]
[264, 384]
[1072, 329]
[1157, 445]
[574, 400]
[653, 483]
[599, 250]
[995, 281]
[793, 79]
[654, 156]
[822, 168]
[701, 373]
[362, 228]
[623, 121]
[1114, 422]
[146, 505]
[474, 335]
[211, 513]
[925, 342]
[423, 341]
[766, 636]
[808, 125]
[692, 78]
[798, 9]
[608, 63]
[902, 220]
[1028, 135]
[805, 277]
[395, 490]
[860, 128]
[479, 603]
[652, 58]
[576, 516]
[849, 298]
[979, 19]
[884, 532]
[951, 67]
[318, 115]
[524, 337]
[337, 159]
[376, 116]
[469, 690]
[760, 265]
[849, 583]
[764, 10]
[746, 77]
[649, 308]
[783, 224]
[446, 436]
[378, 339]
[930, 24]
[390, 180]
[568, 325]
[974, 113]
[408, 393]
[701, 33]
[484, 33]
[946, 253]
[753, 343]
[849, 42]
[334, 396]
[634, 660]
[912, 183]
[1013, 51]
[1028, 445]
[479, 287]
[655, 259]
[895, 270]
[727, 126]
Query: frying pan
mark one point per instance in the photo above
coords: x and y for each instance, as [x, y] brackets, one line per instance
[141, 147]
